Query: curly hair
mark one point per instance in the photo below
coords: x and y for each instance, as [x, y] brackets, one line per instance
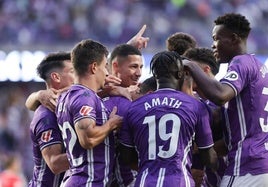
[204, 55]
[237, 23]
[166, 64]
[180, 42]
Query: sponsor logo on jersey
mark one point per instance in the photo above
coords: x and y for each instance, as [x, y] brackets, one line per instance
[46, 136]
[232, 76]
[85, 110]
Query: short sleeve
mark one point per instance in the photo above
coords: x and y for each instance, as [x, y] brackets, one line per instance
[203, 134]
[47, 132]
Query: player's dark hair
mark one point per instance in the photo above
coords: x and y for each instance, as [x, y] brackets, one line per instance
[86, 52]
[147, 85]
[203, 55]
[52, 62]
[123, 50]
[166, 64]
[180, 42]
[237, 23]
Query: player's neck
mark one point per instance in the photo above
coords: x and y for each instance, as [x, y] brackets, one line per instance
[166, 85]
[88, 82]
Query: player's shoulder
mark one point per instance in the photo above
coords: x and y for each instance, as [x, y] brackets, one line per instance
[116, 98]
[78, 95]
[81, 90]
[44, 121]
[245, 60]
[44, 113]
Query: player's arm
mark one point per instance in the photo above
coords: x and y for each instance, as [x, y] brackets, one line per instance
[220, 148]
[115, 90]
[209, 158]
[129, 156]
[215, 91]
[45, 97]
[55, 159]
[111, 88]
[217, 131]
[91, 135]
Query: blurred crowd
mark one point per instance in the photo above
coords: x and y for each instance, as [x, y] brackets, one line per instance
[14, 124]
[25, 23]
[65, 22]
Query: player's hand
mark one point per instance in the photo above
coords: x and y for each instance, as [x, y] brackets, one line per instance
[187, 64]
[118, 90]
[135, 92]
[198, 176]
[138, 40]
[115, 121]
[48, 98]
[111, 79]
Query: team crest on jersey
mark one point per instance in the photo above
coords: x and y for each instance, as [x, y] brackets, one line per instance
[85, 110]
[46, 136]
[232, 76]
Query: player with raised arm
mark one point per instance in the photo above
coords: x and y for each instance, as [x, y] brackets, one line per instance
[161, 127]
[85, 123]
[49, 97]
[50, 159]
[244, 90]
[125, 63]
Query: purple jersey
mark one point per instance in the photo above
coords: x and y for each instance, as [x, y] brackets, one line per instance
[162, 126]
[89, 167]
[44, 132]
[124, 175]
[212, 178]
[246, 116]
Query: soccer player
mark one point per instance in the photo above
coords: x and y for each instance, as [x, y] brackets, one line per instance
[244, 87]
[147, 86]
[49, 97]
[180, 42]
[126, 63]
[205, 59]
[50, 159]
[161, 126]
[86, 125]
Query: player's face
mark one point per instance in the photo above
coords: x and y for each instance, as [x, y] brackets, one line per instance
[102, 72]
[129, 71]
[222, 44]
[67, 75]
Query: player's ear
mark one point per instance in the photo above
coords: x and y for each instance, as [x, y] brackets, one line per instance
[207, 69]
[55, 76]
[236, 38]
[180, 74]
[93, 67]
[115, 66]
